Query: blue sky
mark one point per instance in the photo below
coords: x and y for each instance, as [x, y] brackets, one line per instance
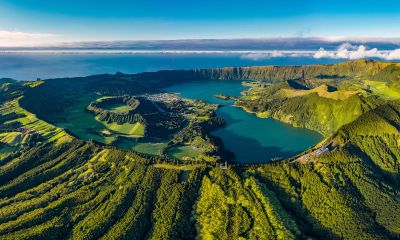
[37, 21]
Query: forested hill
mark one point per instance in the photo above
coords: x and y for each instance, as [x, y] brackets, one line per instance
[273, 74]
[368, 69]
[55, 186]
[78, 190]
[283, 73]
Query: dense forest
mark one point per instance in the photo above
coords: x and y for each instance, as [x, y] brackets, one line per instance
[54, 185]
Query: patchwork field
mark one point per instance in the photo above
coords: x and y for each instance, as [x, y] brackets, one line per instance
[13, 138]
[30, 124]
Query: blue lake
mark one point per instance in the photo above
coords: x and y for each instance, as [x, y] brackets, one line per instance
[252, 139]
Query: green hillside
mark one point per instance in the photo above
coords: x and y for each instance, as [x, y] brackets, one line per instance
[311, 111]
[83, 191]
[57, 183]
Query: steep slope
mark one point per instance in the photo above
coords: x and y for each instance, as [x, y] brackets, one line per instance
[352, 192]
[312, 111]
[275, 74]
[272, 74]
[72, 189]
[81, 190]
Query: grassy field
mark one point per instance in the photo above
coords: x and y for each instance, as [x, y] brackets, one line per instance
[85, 126]
[120, 107]
[150, 148]
[380, 88]
[153, 149]
[183, 152]
[135, 130]
[117, 108]
[82, 123]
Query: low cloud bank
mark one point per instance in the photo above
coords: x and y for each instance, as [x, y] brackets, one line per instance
[352, 52]
[344, 51]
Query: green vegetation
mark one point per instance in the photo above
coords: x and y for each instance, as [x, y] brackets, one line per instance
[311, 74]
[151, 149]
[140, 121]
[381, 88]
[118, 108]
[81, 123]
[183, 152]
[132, 130]
[223, 97]
[57, 186]
[322, 97]
[23, 126]
[311, 111]
[229, 208]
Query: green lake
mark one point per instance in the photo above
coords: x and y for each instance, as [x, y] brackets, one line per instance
[252, 139]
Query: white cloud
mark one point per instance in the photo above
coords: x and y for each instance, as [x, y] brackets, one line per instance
[393, 55]
[260, 55]
[9, 35]
[255, 56]
[18, 38]
[277, 54]
[344, 51]
[322, 53]
[349, 51]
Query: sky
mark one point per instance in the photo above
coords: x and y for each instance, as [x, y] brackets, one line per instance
[31, 22]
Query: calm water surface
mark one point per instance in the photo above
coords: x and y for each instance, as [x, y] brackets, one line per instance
[252, 139]
[44, 66]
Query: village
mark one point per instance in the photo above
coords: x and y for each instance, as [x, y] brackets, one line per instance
[311, 157]
[161, 97]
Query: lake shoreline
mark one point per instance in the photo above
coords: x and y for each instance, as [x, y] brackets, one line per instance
[252, 138]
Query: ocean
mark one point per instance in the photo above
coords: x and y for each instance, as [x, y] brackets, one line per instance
[44, 66]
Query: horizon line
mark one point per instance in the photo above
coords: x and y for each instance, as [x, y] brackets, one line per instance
[327, 39]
